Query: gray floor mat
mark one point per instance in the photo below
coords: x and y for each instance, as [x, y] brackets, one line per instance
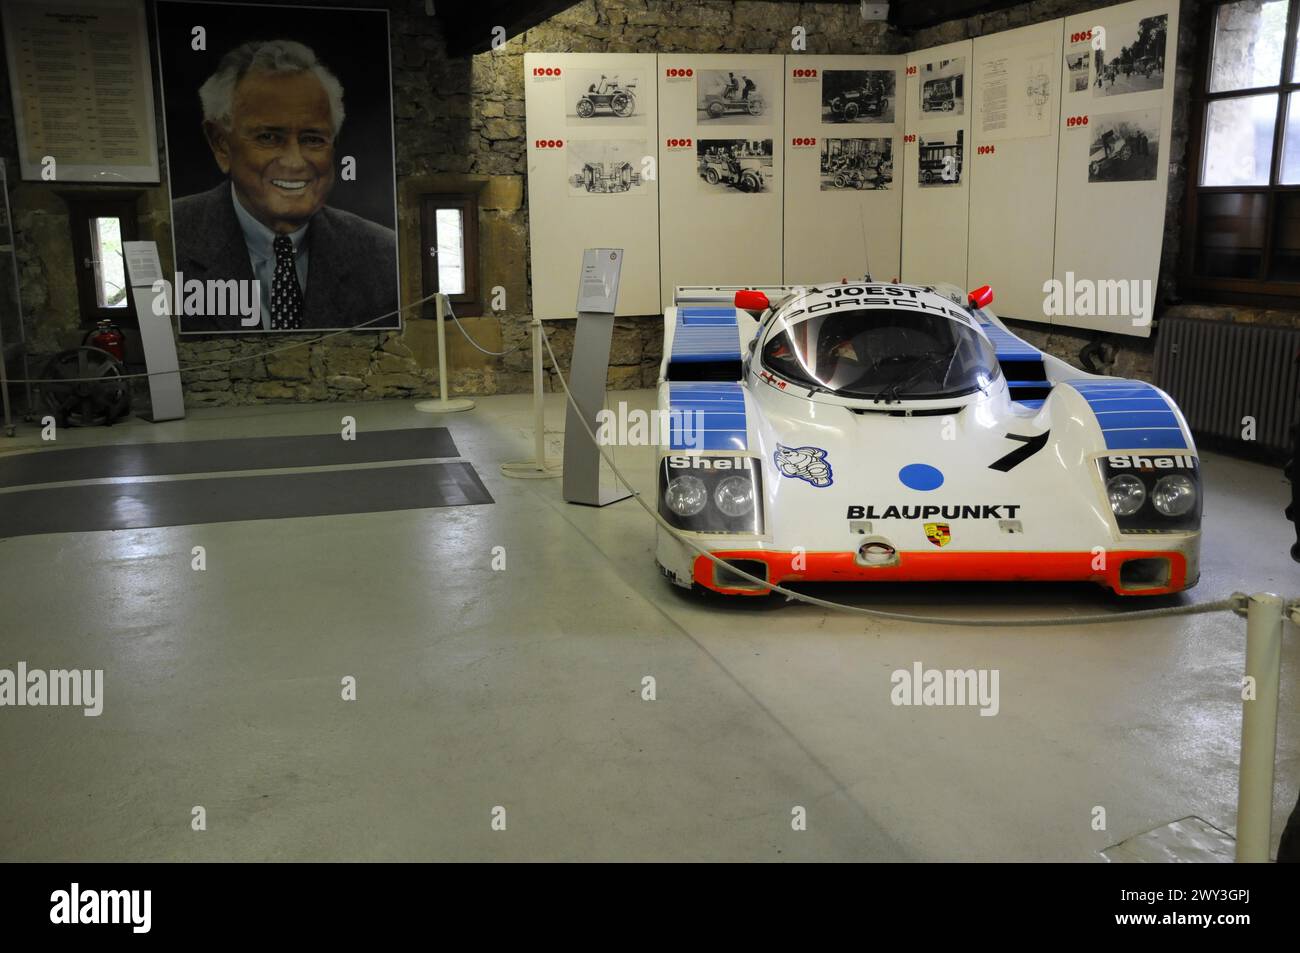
[70, 509]
[216, 456]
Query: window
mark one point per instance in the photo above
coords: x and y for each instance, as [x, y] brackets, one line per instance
[1243, 221]
[99, 227]
[449, 239]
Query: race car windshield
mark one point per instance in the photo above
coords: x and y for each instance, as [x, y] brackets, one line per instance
[886, 354]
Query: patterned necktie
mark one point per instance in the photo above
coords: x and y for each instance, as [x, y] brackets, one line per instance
[286, 297]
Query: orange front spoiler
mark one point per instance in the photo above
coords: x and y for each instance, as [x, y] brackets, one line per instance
[949, 567]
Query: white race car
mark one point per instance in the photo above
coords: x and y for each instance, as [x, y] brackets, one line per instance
[881, 431]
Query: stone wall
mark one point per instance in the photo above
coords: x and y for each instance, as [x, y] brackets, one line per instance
[460, 126]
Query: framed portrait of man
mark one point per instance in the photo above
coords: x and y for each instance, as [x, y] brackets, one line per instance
[280, 158]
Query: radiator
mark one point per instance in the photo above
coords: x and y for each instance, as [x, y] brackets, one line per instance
[1219, 373]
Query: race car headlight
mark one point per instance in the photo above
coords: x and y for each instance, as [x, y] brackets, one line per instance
[1174, 495]
[712, 493]
[734, 496]
[1127, 494]
[686, 495]
[1171, 481]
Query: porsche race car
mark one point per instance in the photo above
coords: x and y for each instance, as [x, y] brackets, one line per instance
[873, 431]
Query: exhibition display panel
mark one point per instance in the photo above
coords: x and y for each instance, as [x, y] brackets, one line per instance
[721, 123]
[762, 169]
[1113, 170]
[592, 176]
[936, 164]
[843, 199]
[1016, 102]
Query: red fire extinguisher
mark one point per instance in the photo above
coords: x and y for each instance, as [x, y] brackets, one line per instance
[107, 336]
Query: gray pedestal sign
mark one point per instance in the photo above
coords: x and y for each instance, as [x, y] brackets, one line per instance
[597, 297]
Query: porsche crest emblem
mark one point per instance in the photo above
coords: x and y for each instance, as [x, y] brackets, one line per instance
[938, 533]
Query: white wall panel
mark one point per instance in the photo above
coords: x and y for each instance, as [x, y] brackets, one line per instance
[937, 149]
[1015, 125]
[587, 181]
[719, 233]
[1113, 170]
[843, 163]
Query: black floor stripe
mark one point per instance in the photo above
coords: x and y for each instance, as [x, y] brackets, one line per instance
[72, 509]
[216, 456]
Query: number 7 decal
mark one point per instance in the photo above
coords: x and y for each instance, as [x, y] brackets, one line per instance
[1019, 455]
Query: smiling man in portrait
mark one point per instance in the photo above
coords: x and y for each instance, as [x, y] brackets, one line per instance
[271, 116]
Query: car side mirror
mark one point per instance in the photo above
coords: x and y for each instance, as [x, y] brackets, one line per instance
[981, 297]
[754, 302]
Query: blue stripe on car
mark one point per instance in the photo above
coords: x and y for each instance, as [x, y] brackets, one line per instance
[723, 423]
[1133, 415]
[706, 334]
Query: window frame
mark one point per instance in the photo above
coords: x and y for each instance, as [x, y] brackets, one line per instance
[1259, 291]
[82, 209]
[468, 303]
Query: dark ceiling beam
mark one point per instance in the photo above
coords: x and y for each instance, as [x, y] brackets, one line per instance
[468, 24]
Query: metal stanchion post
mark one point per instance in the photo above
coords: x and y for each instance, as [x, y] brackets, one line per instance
[444, 404]
[1259, 728]
[539, 468]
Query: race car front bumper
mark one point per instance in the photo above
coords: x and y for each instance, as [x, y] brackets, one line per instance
[1127, 572]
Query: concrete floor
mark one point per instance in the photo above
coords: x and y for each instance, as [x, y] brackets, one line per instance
[522, 688]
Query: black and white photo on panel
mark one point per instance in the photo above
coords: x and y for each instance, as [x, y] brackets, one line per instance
[858, 95]
[734, 166]
[858, 163]
[733, 96]
[607, 166]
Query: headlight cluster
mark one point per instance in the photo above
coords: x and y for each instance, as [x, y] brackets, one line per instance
[1153, 494]
[711, 494]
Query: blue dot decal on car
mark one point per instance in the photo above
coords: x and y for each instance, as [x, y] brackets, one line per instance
[920, 476]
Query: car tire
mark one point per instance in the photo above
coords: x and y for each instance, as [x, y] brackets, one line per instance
[585, 108]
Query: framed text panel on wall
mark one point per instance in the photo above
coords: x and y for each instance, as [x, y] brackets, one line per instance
[1116, 118]
[721, 126]
[1016, 98]
[936, 164]
[843, 136]
[82, 88]
[592, 174]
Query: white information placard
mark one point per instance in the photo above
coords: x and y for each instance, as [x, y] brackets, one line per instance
[936, 164]
[142, 264]
[721, 126]
[598, 284]
[593, 177]
[157, 336]
[1113, 167]
[1016, 91]
[843, 162]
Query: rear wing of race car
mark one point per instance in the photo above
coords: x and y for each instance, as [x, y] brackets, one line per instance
[702, 295]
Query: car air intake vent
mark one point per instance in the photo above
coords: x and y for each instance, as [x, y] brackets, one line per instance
[913, 412]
